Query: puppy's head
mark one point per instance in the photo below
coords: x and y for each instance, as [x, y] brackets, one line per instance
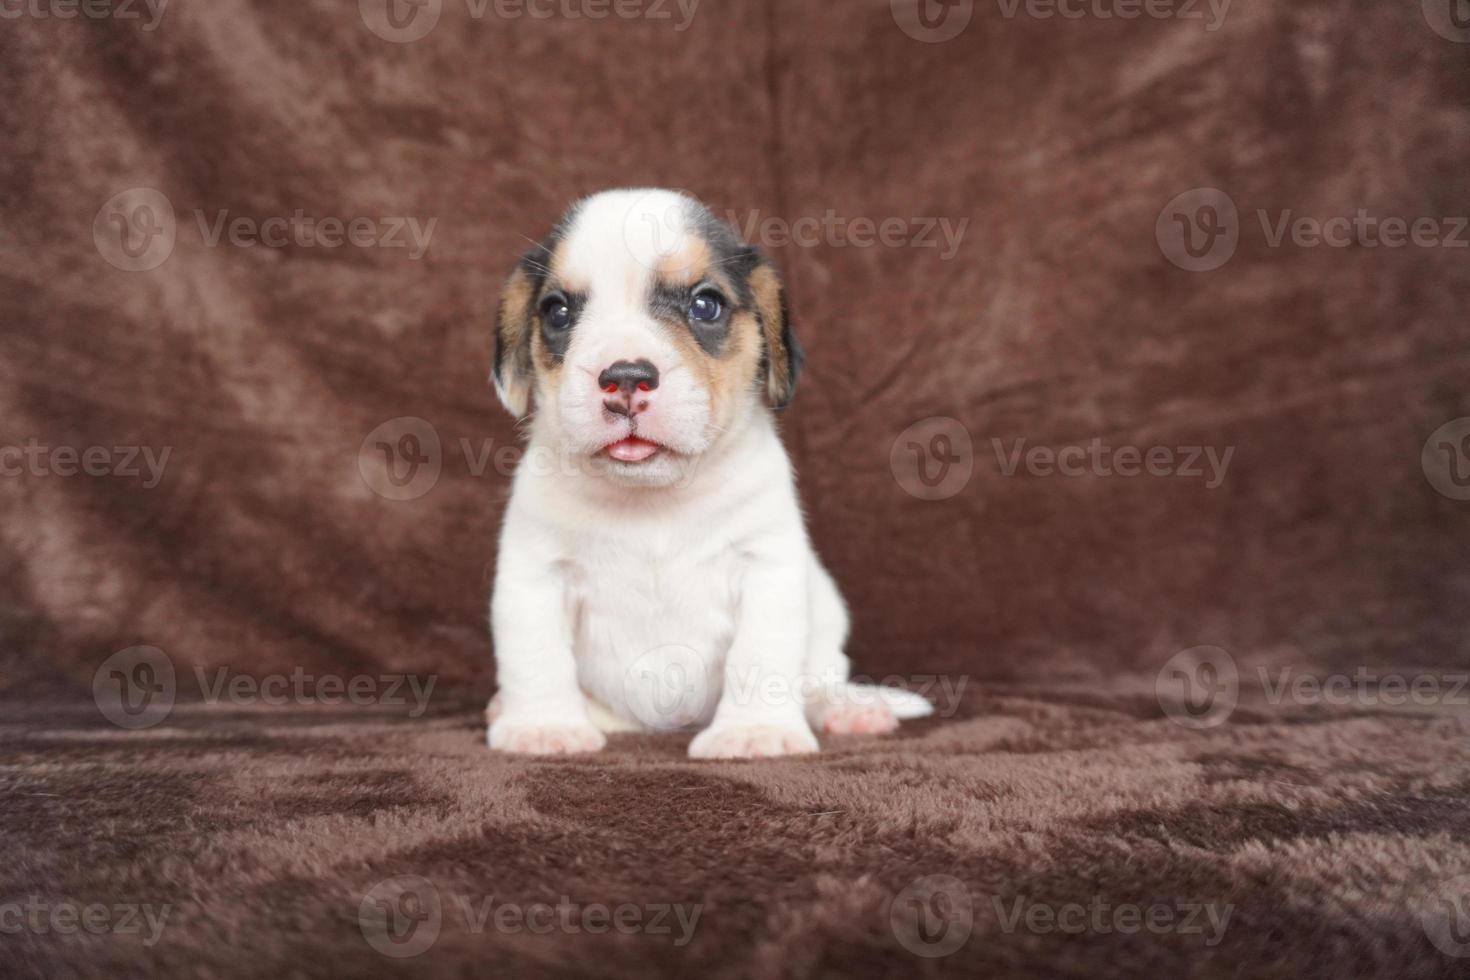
[644, 329]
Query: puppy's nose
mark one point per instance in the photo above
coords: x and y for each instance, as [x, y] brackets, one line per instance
[628, 385]
[625, 377]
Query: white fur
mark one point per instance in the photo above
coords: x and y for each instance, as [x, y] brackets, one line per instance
[682, 592]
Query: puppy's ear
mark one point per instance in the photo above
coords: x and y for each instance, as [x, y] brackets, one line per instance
[515, 323]
[783, 354]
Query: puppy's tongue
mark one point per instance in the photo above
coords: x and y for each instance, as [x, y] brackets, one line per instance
[632, 450]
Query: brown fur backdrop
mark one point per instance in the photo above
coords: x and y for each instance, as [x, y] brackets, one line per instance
[267, 544]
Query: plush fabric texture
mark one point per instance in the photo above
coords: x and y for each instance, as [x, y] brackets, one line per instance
[1321, 843]
[1057, 320]
[267, 545]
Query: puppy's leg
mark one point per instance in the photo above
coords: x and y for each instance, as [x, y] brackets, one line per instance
[761, 710]
[603, 718]
[834, 706]
[542, 709]
[599, 714]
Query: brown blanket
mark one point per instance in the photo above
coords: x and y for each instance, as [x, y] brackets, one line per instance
[241, 242]
[1034, 833]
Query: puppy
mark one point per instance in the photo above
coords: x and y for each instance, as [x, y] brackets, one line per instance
[655, 572]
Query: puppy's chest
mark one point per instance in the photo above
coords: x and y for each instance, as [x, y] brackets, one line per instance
[633, 590]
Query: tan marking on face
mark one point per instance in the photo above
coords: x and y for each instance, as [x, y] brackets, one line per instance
[728, 377]
[734, 374]
[689, 263]
[548, 371]
[561, 276]
[547, 367]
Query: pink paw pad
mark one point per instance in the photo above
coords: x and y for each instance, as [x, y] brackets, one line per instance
[859, 719]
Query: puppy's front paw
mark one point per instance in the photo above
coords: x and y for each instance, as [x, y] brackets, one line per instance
[526, 737]
[752, 742]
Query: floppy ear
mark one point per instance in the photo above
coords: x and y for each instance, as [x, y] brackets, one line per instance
[513, 328]
[783, 354]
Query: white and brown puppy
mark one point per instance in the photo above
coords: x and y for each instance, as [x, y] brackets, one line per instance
[655, 571]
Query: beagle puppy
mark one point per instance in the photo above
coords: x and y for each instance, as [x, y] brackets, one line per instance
[654, 571]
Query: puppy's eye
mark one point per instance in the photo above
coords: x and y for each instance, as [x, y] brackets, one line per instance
[706, 306]
[556, 313]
